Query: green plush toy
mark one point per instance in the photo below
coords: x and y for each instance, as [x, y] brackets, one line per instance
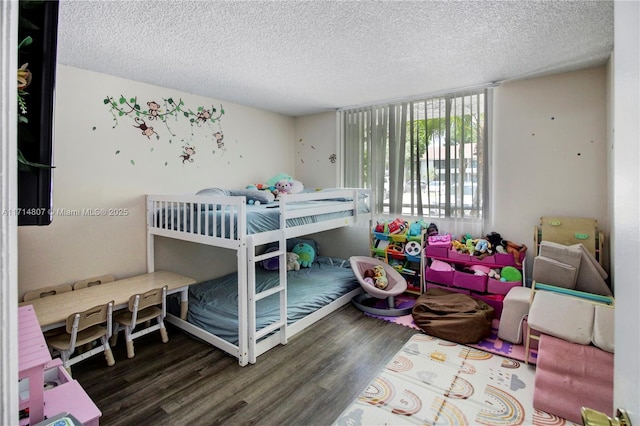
[305, 253]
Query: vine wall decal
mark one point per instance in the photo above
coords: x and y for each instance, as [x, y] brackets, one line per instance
[147, 121]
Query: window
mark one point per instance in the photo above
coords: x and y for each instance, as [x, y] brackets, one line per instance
[423, 158]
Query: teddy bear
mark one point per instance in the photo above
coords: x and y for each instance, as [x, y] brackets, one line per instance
[284, 186]
[380, 279]
[292, 262]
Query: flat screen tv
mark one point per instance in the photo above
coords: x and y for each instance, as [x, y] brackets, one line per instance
[39, 21]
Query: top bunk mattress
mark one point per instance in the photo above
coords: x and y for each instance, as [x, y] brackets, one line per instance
[213, 304]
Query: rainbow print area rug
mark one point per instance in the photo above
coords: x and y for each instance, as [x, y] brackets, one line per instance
[435, 382]
[492, 343]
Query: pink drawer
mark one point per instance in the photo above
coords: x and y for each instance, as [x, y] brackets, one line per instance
[454, 255]
[493, 300]
[441, 277]
[507, 259]
[457, 290]
[470, 281]
[488, 260]
[501, 287]
[435, 251]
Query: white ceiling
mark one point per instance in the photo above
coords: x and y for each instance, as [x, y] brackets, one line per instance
[303, 57]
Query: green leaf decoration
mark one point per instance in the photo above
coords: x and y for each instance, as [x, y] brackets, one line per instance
[132, 100]
[133, 163]
[106, 101]
[165, 163]
[25, 42]
[122, 100]
[117, 152]
[186, 114]
[136, 107]
[121, 113]
[94, 127]
[170, 101]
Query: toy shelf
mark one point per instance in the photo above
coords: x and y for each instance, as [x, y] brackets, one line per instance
[490, 290]
[392, 249]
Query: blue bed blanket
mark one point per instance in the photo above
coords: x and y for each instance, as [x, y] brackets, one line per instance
[213, 305]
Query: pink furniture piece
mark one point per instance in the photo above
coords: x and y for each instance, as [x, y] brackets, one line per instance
[570, 376]
[63, 394]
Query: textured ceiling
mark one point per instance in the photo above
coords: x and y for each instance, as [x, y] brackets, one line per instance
[302, 57]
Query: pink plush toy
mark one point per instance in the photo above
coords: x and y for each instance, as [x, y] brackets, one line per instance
[284, 186]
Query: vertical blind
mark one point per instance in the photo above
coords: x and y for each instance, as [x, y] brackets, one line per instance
[422, 157]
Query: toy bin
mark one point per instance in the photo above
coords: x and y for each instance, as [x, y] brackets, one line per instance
[470, 281]
[506, 259]
[400, 237]
[493, 300]
[396, 251]
[380, 236]
[489, 260]
[459, 257]
[457, 290]
[501, 287]
[437, 251]
[441, 277]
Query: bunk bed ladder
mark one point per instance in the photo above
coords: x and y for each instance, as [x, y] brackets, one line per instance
[254, 297]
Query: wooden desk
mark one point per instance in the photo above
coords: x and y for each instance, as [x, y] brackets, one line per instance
[52, 311]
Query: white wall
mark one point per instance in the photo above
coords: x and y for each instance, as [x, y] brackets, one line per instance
[102, 166]
[316, 145]
[548, 156]
[549, 152]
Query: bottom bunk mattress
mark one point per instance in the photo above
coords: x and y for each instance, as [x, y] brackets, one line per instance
[213, 304]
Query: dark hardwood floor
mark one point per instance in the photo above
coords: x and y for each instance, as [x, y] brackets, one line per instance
[309, 381]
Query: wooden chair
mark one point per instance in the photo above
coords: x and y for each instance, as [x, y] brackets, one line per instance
[142, 308]
[46, 291]
[90, 282]
[83, 328]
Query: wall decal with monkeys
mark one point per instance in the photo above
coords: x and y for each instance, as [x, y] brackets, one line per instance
[148, 121]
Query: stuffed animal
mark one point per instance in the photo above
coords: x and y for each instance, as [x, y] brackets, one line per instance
[284, 186]
[305, 253]
[292, 262]
[415, 229]
[515, 250]
[482, 248]
[272, 263]
[495, 274]
[296, 187]
[458, 246]
[380, 279]
[495, 240]
[471, 246]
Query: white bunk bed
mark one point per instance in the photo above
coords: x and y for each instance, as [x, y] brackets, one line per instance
[229, 222]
